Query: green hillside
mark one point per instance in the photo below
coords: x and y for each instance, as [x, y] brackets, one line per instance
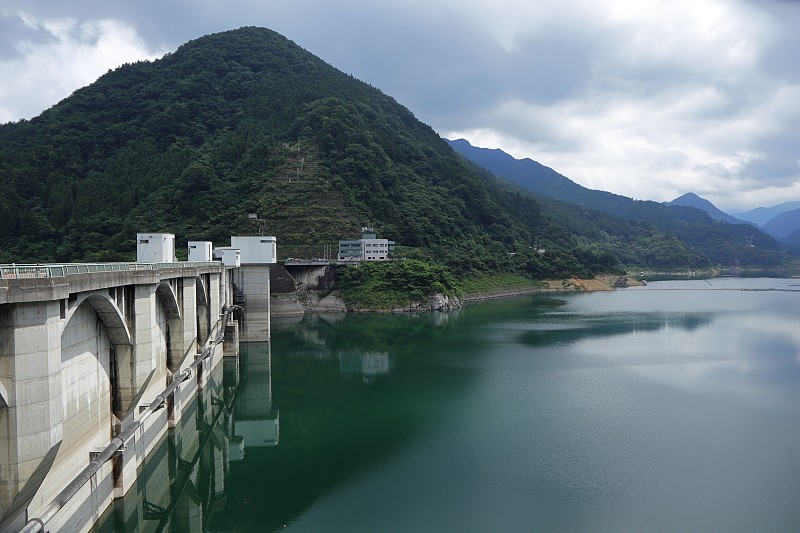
[246, 121]
[718, 242]
[243, 122]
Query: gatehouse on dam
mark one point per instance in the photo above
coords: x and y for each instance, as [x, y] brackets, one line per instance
[97, 362]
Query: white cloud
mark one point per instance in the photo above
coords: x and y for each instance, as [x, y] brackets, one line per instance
[648, 148]
[73, 54]
[675, 100]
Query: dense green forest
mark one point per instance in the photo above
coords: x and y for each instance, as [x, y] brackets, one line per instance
[246, 121]
[393, 284]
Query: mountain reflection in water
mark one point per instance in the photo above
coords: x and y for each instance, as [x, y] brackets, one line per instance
[635, 410]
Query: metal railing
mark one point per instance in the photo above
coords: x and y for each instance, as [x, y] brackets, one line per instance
[59, 271]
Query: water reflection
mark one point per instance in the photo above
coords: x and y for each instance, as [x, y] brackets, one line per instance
[171, 493]
[571, 328]
[254, 422]
[748, 359]
[631, 411]
[182, 484]
[619, 412]
[727, 344]
[368, 364]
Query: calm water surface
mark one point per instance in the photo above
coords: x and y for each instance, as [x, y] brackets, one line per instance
[670, 408]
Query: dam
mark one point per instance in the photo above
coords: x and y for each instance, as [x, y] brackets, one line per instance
[98, 361]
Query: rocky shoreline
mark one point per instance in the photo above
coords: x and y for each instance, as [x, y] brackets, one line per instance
[306, 301]
[599, 283]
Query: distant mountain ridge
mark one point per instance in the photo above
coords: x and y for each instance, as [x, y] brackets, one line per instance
[723, 243]
[784, 226]
[690, 199]
[543, 180]
[524, 172]
[762, 215]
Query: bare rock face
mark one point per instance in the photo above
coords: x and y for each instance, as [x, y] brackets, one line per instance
[621, 283]
[281, 282]
[313, 302]
[286, 305]
[329, 304]
[441, 302]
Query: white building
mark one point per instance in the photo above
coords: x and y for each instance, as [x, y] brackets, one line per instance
[257, 254]
[256, 249]
[230, 257]
[367, 248]
[200, 251]
[155, 248]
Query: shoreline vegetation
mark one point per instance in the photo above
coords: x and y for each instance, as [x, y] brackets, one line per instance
[522, 286]
[417, 287]
[474, 289]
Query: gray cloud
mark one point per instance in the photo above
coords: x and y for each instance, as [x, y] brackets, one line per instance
[12, 31]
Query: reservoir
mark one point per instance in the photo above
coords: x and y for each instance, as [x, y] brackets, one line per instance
[673, 407]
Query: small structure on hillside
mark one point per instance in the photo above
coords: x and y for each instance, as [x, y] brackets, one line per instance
[367, 248]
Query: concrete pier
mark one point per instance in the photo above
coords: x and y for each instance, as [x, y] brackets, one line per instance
[83, 350]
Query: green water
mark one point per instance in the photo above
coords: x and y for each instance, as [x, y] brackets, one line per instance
[635, 410]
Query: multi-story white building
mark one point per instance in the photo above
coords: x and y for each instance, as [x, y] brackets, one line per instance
[367, 248]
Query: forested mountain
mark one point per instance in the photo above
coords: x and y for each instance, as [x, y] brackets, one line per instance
[690, 199]
[246, 121]
[719, 242]
[782, 222]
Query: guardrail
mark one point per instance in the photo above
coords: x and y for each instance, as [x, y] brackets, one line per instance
[59, 271]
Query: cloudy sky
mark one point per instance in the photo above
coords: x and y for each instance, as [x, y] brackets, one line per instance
[650, 99]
